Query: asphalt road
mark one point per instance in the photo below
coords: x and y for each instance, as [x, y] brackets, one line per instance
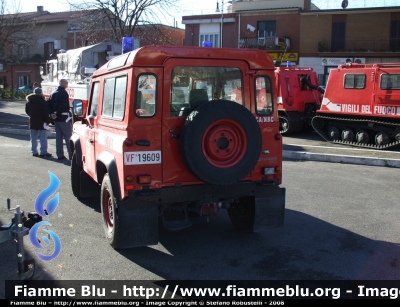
[341, 223]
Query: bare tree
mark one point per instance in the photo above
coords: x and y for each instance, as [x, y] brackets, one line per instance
[111, 20]
[18, 32]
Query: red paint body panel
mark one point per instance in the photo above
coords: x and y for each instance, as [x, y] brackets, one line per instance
[366, 100]
[292, 94]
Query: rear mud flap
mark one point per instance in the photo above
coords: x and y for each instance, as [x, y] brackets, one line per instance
[138, 224]
[270, 210]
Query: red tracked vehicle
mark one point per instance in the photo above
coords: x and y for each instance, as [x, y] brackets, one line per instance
[299, 97]
[361, 106]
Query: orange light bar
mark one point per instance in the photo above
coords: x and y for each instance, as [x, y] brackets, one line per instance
[144, 179]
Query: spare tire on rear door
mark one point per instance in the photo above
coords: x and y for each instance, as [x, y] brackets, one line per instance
[220, 142]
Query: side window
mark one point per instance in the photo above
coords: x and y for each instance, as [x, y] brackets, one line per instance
[302, 79]
[119, 97]
[263, 90]
[95, 99]
[390, 82]
[354, 81]
[114, 97]
[146, 95]
[108, 95]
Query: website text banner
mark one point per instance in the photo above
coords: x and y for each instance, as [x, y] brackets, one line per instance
[200, 290]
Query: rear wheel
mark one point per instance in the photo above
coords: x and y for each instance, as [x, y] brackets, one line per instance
[75, 176]
[286, 126]
[242, 214]
[109, 212]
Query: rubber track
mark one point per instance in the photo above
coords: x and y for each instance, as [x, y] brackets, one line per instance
[316, 121]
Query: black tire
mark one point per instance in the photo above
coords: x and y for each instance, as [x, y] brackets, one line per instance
[242, 214]
[220, 142]
[75, 176]
[109, 212]
[286, 126]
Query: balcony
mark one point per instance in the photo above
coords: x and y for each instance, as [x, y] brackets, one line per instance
[265, 43]
[360, 46]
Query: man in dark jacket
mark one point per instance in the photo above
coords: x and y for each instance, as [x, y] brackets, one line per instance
[58, 105]
[39, 119]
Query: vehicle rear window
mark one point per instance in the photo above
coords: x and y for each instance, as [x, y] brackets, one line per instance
[146, 95]
[192, 86]
[264, 98]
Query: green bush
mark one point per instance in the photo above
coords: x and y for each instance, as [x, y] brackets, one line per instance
[9, 93]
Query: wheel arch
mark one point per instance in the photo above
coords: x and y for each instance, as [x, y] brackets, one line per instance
[75, 144]
[106, 163]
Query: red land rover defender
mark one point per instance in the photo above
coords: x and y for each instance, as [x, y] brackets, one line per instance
[179, 132]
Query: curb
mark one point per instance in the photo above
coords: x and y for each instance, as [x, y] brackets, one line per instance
[286, 154]
[50, 134]
[340, 159]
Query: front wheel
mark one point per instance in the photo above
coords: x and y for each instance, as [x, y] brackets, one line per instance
[242, 214]
[75, 176]
[109, 212]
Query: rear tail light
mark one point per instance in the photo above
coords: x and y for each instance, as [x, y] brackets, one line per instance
[278, 136]
[129, 179]
[128, 142]
[129, 187]
[144, 179]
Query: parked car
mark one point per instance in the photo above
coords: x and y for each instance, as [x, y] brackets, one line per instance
[26, 88]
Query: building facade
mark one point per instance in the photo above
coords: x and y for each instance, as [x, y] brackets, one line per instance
[296, 32]
[332, 37]
[57, 31]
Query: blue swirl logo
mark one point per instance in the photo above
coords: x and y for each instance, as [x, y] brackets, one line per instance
[40, 209]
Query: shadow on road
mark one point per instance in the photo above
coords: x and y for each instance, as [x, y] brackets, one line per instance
[307, 248]
[9, 261]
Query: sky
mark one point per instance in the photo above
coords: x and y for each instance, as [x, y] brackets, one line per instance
[190, 7]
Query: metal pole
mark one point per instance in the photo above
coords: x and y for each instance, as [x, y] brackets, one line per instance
[222, 21]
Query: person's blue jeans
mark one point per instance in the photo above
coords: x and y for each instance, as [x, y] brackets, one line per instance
[42, 135]
[63, 133]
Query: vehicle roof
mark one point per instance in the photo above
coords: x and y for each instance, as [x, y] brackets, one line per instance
[156, 55]
[372, 65]
[294, 68]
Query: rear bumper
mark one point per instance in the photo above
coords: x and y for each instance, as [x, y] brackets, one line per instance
[170, 195]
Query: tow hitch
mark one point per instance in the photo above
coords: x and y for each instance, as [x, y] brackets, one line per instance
[211, 208]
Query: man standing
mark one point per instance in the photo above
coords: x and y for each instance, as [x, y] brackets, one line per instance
[39, 119]
[59, 111]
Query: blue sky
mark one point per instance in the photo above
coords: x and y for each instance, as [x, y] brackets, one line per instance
[191, 7]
